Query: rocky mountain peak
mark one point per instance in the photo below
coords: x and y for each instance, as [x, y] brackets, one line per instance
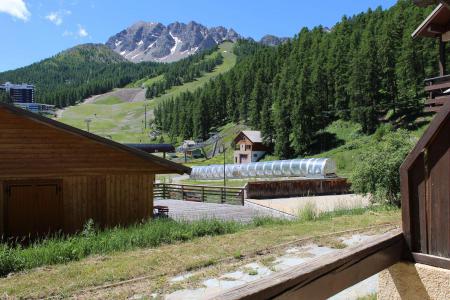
[153, 41]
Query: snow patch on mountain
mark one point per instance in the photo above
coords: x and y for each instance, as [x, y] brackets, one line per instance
[157, 42]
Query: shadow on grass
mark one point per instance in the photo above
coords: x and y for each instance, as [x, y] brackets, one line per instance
[325, 141]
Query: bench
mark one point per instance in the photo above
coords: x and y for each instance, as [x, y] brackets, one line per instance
[161, 211]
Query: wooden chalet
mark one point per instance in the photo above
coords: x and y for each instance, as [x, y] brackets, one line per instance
[437, 25]
[414, 262]
[249, 147]
[54, 177]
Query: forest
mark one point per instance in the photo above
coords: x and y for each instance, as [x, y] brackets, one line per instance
[91, 69]
[367, 69]
[185, 71]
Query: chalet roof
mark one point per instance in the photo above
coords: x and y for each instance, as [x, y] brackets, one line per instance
[424, 3]
[427, 138]
[435, 24]
[167, 164]
[253, 136]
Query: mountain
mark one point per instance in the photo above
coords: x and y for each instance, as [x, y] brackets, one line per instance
[272, 40]
[98, 53]
[79, 72]
[361, 70]
[149, 41]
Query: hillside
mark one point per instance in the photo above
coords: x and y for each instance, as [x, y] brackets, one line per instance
[123, 121]
[79, 72]
[366, 69]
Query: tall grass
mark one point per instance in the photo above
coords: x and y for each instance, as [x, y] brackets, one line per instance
[91, 241]
[62, 249]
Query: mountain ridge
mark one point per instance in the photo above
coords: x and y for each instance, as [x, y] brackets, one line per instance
[154, 41]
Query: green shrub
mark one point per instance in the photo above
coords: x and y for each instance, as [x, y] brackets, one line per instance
[377, 170]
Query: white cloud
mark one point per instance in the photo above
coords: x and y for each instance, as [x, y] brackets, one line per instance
[15, 8]
[82, 31]
[56, 17]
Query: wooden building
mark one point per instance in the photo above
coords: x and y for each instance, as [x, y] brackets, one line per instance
[437, 25]
[249, 147]
[55, 177]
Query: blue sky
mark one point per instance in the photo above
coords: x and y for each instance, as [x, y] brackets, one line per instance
[32, 30]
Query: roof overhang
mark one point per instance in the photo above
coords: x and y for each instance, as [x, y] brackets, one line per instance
[167, 166]
[436, 24]
[425, 3]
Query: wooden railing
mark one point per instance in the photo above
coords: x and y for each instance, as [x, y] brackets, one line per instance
[200, 193]
[435, 88]
[325, 275]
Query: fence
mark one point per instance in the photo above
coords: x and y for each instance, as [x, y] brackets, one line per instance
[200, 193]
[297, 188]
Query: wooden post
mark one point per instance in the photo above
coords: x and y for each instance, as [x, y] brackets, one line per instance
[221, 195]
[442, 62]
[203, 194]
[182, 192]
[164, 191]
[243, 197]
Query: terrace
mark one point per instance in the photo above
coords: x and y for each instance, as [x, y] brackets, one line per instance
[437, 26]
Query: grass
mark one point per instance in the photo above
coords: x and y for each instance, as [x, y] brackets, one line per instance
[123, 122]
[109, 100]
[150, 234]
[145, 82]
[161, 262]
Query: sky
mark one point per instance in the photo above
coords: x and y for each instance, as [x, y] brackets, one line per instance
[32, 30]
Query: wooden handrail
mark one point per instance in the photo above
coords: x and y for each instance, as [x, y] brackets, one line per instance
[197, 186]
[325, 275]
[202, 193]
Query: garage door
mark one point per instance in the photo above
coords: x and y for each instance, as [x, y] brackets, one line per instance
[33, 208]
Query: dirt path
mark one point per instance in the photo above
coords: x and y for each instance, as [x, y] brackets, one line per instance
[124, 94]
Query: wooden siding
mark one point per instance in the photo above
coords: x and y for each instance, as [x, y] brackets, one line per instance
[425, 186]
[296, 188]
[109, 200]
[31, 149]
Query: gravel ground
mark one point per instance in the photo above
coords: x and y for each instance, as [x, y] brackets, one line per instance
[320, 204]
[187, 210]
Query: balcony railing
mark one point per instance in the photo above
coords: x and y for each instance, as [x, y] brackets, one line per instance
[438, 89]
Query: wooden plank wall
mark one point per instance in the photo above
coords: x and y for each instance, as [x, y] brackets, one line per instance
[130, 199]
[297, 188]
[438, 201]
[32, 149]
[2, 207]
[425, 184]
[109, 200]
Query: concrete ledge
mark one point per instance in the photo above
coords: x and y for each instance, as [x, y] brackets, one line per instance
[412, 281]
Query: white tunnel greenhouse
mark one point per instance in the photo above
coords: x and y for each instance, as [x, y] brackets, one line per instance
[310, 168]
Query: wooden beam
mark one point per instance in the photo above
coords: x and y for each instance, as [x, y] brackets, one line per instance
[442, 57]
[325, 275]
[431, 260]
